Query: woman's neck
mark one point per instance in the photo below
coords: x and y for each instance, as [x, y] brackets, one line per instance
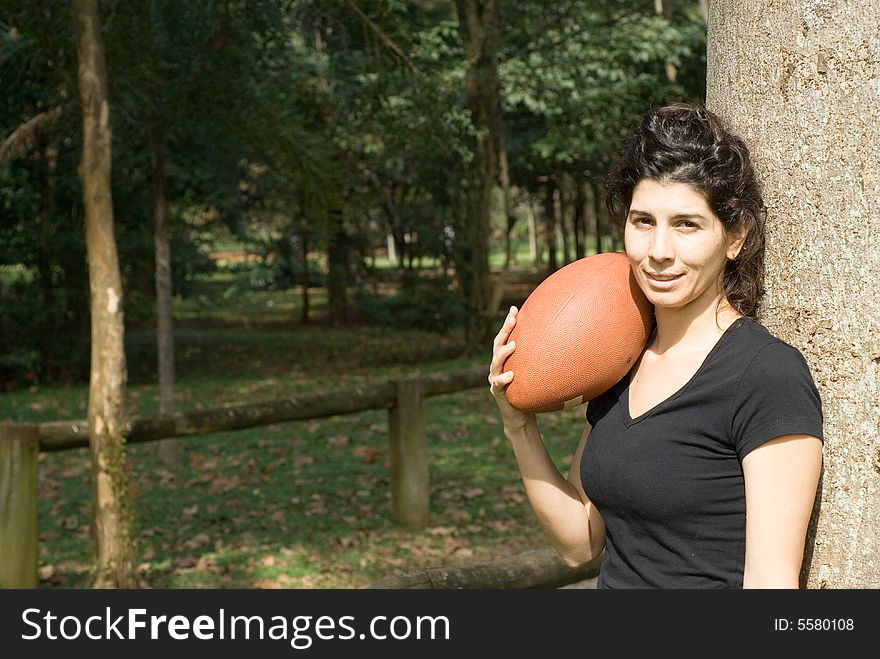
[691, 328]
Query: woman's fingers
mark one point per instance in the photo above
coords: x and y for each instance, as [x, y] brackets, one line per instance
[500, 355]
[498, 382]
[501, 350]
[506, 328]
[496, 377]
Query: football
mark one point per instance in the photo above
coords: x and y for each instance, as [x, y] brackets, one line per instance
[577, 334]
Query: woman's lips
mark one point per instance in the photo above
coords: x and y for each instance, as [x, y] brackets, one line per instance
[662, 283]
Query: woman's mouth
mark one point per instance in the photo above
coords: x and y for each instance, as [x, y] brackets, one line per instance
[662, 280]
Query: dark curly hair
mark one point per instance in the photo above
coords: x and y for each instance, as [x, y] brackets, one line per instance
[683, 143]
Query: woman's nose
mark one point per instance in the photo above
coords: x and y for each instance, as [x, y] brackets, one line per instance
[661, 245]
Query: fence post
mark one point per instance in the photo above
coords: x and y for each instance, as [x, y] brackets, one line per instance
[410, 483]
[19, 446]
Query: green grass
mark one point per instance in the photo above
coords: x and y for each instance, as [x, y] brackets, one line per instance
[303, 504]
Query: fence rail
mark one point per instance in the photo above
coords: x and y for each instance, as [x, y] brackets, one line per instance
[404, 399]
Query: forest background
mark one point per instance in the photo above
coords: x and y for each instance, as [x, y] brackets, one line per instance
[308, 196]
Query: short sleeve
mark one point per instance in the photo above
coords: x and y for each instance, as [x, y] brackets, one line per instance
[776, 396]
[601, 404]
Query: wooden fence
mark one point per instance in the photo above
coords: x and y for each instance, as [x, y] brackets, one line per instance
[404, 400]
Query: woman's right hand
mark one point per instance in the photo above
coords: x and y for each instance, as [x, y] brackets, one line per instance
[498, 380]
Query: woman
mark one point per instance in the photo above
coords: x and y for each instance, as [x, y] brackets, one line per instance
[699, 468]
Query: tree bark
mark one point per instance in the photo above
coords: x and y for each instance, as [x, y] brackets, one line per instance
[597, 211]
[540, 568]
[799, 81]
[664, 8]
[169, 450]
[504, 182]
[306, 276]
[113, 521]
[559, 205]
[534, 247]
[479, 26]
[19, 494]
[47, 240]
[337, 269]
[580, 202]
[337, 238]
[550, 226]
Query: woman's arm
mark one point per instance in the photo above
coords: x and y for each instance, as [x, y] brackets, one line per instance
[567, 517]
[781, 477]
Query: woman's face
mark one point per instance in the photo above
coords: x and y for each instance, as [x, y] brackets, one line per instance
[676, 245]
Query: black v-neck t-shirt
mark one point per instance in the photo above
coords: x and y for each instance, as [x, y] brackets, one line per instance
[669, 483]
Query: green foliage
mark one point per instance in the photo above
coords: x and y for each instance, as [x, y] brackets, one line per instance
[425, 305]
[293, 123]
[578, 75]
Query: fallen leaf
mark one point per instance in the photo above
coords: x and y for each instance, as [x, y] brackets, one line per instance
[268, 584]
[71, 472]
[458, 515]
[472, 492]
[338, 441]
[198, 540]
[441, 530]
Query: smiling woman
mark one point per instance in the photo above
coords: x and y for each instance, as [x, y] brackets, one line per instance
[699, 468]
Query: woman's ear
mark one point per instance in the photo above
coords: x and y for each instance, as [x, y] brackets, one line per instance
[738, 239]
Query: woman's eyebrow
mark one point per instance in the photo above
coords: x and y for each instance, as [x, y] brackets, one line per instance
[678, 216]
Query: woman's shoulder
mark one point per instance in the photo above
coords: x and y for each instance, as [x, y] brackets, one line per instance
[775, 394]
[762, 358]
[749, 337]
[757, 359]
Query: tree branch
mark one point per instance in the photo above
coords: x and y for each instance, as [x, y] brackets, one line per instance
[384, 37]
[24, 138]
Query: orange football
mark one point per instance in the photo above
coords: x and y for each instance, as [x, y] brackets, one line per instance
[577, 334]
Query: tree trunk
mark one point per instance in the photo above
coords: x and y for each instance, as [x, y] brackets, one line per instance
[580, 202]
[113, 520]
[169, 450]
[550, 227]
[391, 244]
[799, 81]
[47, 241]
[534, 248]
[664, 8]
[306, 276]
[704, 9]
[504, 181]
[597, 211]
[479, 26]
[337, 269]
[337, 239]
[559, 205]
